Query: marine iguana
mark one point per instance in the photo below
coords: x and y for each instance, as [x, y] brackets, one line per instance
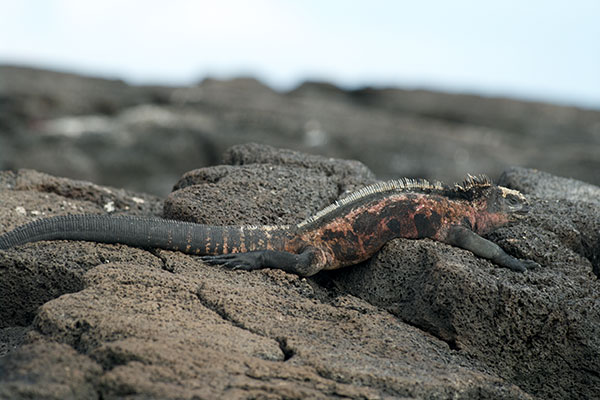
[347, 232]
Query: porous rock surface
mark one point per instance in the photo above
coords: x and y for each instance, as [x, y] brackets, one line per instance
[419, 320]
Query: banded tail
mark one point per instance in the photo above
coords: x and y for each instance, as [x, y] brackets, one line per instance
[146, 232]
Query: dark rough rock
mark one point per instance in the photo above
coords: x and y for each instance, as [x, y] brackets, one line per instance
[45, 369]
[217, 194]
[109, 199]
[349, 173]
[544, 185]
[144, 138]
[11, 338]
[272, 178]
[128, 323]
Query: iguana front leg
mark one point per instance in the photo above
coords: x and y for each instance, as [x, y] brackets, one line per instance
[467, 239]
[303, 264]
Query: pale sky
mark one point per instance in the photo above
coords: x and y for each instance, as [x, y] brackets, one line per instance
[534, 49]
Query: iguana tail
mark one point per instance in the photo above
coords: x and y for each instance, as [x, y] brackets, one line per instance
[144, 232]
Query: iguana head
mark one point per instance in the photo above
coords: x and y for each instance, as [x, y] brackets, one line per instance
[508, 201]
[492, 198]
[494, 205]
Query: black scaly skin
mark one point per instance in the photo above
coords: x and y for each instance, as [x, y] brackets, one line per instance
[144, 232]
[345, 233]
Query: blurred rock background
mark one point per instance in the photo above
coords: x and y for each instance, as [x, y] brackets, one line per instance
[144, 137]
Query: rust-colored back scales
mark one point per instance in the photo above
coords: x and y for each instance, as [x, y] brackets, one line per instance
[354, 228]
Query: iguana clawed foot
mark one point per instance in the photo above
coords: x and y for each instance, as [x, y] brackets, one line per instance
[530, 264]
[246, 261]
[301, 264]
[516, 264]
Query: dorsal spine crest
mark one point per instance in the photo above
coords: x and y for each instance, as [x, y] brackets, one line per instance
[396, 185]
[472, 181]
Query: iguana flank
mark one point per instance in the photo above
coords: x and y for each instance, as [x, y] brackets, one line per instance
[347, 232]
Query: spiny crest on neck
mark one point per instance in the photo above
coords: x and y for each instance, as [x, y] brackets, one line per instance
[403, 185]
[473, 181]
[472, 188]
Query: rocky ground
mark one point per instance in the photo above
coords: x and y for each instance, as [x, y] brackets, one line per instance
[143, 138]
[419, 320]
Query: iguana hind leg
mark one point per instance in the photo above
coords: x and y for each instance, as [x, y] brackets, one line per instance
[467, 239]
[304, 264]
